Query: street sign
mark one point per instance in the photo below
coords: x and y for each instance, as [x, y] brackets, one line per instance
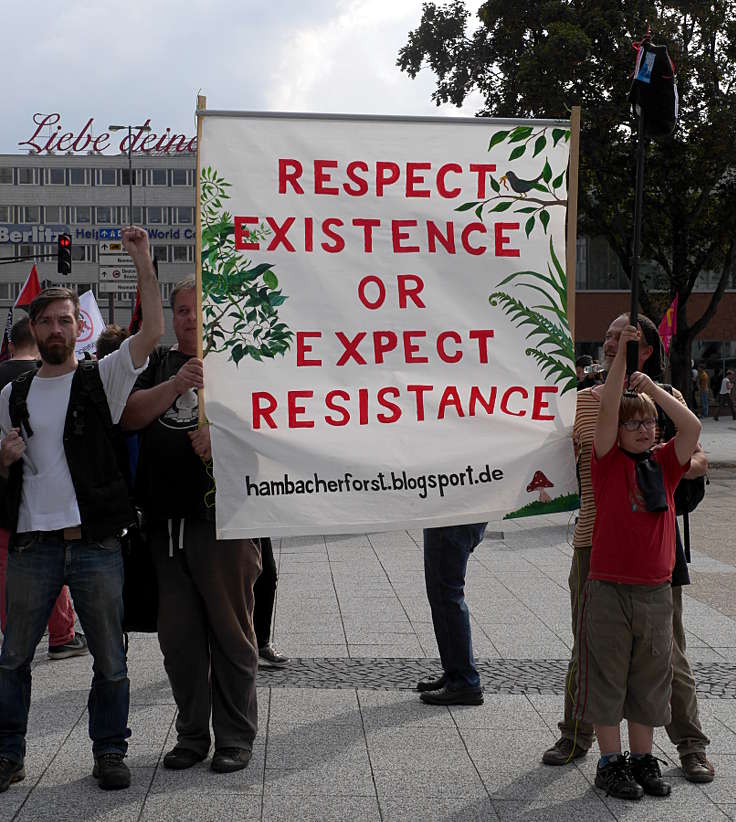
[117, 272]
[109, 234]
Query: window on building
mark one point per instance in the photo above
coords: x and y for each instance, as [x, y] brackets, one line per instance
[82, 214]
[78, 176]
[27, 176]
[158, 177]
[157, 214]
[6, 176]
[161, 253]
[55, 214]
[105, 215]
[106, 177]
[26, 251]
[137, 215]
[181, 177]
[30, 214]
[182, 214]
[182, 254]
[125, 177]
[55, 176]
[6, 214]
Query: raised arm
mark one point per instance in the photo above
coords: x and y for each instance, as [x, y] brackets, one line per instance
[135, 240]
[687, 424]
[606, 428]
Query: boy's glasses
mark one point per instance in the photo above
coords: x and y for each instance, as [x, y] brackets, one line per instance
[635, 425]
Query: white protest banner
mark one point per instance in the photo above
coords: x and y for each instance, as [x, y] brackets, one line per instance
[92, 325]
[384, 321]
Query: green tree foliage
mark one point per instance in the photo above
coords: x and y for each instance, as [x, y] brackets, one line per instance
[540, 57]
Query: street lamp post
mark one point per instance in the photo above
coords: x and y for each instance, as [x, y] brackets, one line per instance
[111, 294]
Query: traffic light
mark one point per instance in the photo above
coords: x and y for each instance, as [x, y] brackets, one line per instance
[64, 254]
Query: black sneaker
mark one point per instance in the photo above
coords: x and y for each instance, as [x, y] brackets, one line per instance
[616, 779]
[269, 657]
[227, 760]
[425, 685]
[179, 759]
[77, 646]
[10, 772]
[646, 772]
[112, 772]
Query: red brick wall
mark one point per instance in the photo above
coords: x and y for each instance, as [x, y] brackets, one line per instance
[594, 311]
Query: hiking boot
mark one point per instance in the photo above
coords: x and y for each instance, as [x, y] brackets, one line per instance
[453, 696]
[563, 752]
[179, 759]
[645, 770]
[227, 760]
[112, 772]
[77, 646]
[431, 684]
[10, 772]
[269, 657]
[697, 768]
[616, 779]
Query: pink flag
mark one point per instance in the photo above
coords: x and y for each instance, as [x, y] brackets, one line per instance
[668, 326]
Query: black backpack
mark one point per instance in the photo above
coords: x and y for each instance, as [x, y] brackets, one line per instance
[653, 93]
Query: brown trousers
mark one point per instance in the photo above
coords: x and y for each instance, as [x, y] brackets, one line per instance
[205, 629]
[684, 730]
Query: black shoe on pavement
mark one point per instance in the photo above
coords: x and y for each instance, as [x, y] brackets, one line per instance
[227, 760]
[645, 770]
[616, 779]
[112, 772]
[453, 696]
[269, 657]
[697, 768]
[431, 684]
[10, 772]
[179, 759]
[77, 646]
[563, 752]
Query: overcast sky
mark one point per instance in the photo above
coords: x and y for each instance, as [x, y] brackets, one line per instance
[126, 61]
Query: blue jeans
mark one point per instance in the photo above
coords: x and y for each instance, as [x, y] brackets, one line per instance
[94, 574]
[446, 553]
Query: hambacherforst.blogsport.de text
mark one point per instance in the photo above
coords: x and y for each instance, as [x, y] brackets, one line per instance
[379, 483]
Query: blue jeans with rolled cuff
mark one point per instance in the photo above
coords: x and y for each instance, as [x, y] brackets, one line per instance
[38, 566]
[446, 553]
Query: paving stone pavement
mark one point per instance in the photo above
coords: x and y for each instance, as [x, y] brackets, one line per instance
[343, 737]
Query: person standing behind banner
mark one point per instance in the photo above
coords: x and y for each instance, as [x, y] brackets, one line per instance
[66, 506]
[684, 730]
[205, 619]
[64, 641]
[264, 595]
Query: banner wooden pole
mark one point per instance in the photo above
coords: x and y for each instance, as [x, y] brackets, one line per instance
[572, 215]
[201, 106]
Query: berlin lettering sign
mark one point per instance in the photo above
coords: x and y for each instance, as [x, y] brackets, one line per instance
[50, 136]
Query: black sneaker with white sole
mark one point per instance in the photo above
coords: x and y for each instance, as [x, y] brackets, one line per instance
[77, 646]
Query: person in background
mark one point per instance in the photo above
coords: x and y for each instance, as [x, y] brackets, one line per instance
[724, 395]
[64, 641]
[264, 595]
[704, 391]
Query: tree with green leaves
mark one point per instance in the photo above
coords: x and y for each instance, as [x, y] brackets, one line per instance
[539, 58]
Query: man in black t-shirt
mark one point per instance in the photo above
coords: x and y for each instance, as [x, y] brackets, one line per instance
[205, 621]
[64, 641]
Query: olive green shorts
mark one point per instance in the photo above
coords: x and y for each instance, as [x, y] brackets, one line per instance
[625, 654]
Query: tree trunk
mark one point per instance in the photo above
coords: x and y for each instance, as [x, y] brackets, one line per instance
[680, 363]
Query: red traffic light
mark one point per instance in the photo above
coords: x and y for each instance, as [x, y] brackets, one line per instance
[65, 241]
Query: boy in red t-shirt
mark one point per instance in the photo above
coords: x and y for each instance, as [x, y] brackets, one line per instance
[626, 616]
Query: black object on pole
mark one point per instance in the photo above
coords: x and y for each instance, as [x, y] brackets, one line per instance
[653, 97]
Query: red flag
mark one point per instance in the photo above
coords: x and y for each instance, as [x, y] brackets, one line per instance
[31, 287]
[137, 317]
[668, 326]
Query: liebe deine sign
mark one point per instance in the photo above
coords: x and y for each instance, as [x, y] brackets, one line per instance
[384, 318]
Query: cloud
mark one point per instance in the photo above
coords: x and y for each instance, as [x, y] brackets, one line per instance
[125, 62]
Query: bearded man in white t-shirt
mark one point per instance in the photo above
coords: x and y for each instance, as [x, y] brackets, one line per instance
[66, 506]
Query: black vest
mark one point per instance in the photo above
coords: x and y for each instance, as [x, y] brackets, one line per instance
[95, 453]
